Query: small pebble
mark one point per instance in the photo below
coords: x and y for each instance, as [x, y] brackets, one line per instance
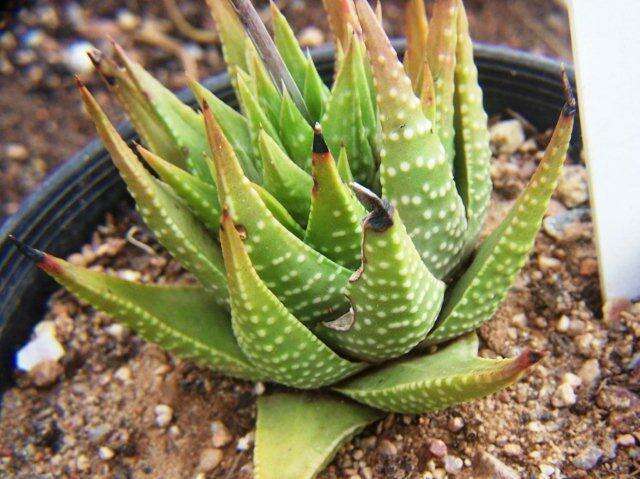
[127, 20]
[626, 440]
[259, 388]
[164, 415]
[245, 442]
[573, 188]
[116, 331]
[589, 372]
[507, 136]
[220, 436]
[587, 458]
[123, 374]
[564, 396]
[437, 447]
[487, 465]
[210, 458]
[572, 379]
[76, 58]
[83, 463]
[452, 464]
[455, 424]
[105, 453]
[387, 448]
[547, 470]
[16, 151]
[512, 449]
[46, 373]
[311, 37]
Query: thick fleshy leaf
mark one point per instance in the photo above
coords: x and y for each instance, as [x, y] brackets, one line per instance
[349, 119]
[441, 54]
[146, 120]
[414, 173]
[184, 124]
[233, 37]
[234, 126]
[285, 180]
[473, 154]
[478, 293]
[278, 211]
[309, 284]
[295, 133]
[453, 375]
[315, 92]
[342, 20]
[184, 319]
[269, 335]
[428, 94]
[417, 32]
[394, 298]
[296, 61]
[294, 439]
[266, 92]
[174, 225]
[344, 168]
[200, 197]
[335, 220]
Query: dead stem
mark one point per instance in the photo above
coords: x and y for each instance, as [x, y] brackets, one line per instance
[198, 35]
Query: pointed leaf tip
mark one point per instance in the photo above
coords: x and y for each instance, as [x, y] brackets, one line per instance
[380, 217]
[33, 254]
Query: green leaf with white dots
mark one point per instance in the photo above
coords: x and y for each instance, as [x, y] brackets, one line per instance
[309, 284]
[234, 126]
[343, 21]
[266, 92]
[335, 220]
[233, 37]
[269, 335]
[428, 94]
[452, 375]
[478, 293]
[174, 225]
[184, 124]
[414, 173]
[294, 440]
[441, 54]
[295, 133]
[473, 154]
[285, 180]
[200, 197]
[395, 300]
[315, 92]
[278, 211]
[344, 122]
[417, 32]
[185, 319]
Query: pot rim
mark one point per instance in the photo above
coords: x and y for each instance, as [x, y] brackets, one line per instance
[94, 169]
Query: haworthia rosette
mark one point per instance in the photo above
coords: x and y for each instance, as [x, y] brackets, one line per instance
[414, 173]
[417, 31]
[394, 298]
[294, 439]
[201, 197]
[285, 180]
[334, 227]
[174, 225]
[478, 293]
[441, 54]
[453, 375]
[235, 127]
[473, 154]
[309, 284]
[270, 336]
[183, 319]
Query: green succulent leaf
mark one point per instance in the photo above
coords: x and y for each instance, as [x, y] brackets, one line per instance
[395, 300]
[315, 92]
[428, 94]
[478, 293]
[414, 173]
[295, 133]
[417, 31]
[278, 211]
[185, 319]
[309, 284]
[334, 227]
[200, 197]
[343, 21]
[266, 92]
[234, 126]
[473, 154]
[235, 41]
[441, 54]
[348, 121]
[294, 439]
[452, 375]
[285, 180]
[343, 167]
[270, 336]
[174, 225]
[185, 126]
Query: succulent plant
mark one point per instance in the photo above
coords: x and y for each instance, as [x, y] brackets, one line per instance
[334, 232]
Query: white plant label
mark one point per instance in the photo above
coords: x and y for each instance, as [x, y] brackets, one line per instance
[606, 47]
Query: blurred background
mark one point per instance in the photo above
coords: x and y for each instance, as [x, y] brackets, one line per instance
[43, 44]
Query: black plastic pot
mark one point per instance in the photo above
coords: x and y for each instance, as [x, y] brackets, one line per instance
[61, 215]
